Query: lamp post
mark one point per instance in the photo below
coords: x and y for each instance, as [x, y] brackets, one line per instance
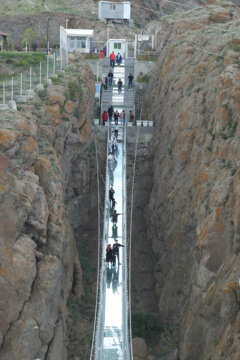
[47, 35]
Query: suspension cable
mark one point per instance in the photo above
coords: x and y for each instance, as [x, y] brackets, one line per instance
[99, 248]
[130, 245]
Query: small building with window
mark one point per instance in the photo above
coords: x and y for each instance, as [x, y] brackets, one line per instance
[114, 10]
[118, 46]
[76, 40]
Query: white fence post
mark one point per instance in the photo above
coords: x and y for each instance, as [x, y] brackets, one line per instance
[21, 84]
[12, 90]
[97, 70]
[40, 73]
[54, 63]
[47, 66]
[30, 78]
[3, 92]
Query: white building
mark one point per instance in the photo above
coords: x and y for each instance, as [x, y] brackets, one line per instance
[114, 10]
[76, 40]
[118, 46]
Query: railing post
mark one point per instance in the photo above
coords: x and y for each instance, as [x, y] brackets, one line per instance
[30, 78]
[3, 92]
[97, 70]
[21, 84]
[54, 63]
[12, 90]
[40, 73]
[47, 65]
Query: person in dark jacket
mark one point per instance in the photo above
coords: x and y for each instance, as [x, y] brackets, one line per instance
[111, 194]
[120, 86]
[109, 254]
[115, 216]
[115, 250]
[110, 77]
[110, 113]
[116, 116]
[118, 59]
[130, 81]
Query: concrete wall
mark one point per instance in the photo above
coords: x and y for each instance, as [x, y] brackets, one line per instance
[145, 134]
[140, 66]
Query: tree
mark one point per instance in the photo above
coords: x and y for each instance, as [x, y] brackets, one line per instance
[28, 37]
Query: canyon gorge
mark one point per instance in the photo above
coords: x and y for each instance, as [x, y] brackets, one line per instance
[186, 215]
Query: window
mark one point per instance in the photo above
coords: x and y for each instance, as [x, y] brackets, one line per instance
[117, 46]
[112, 7]
[81, 42]
[72, 42]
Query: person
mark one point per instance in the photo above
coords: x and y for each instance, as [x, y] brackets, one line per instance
[114, 231]
[110, 77]
[116, 116]
[131, 116]
[115, 250]
[120, 86]
[109, 253]
[115, 216]
[130, 81]
[118, 59]
[105, 50]
[111, 194]
[116, 131]
[124, 117]
[104, 117]
[112, 59]
[110, 113]
[114, 203]
[114, 144]
[111, 161]
[105, 83]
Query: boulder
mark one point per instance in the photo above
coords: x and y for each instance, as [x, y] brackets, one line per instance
[139, 348]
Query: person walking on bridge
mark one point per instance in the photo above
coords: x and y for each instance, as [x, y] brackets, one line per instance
[111, 194]
[110, 77]
[104, 117]
[112, 59]
[118, 59]
[120, 86]
[115, 250]
[130, 81]
[110, 113]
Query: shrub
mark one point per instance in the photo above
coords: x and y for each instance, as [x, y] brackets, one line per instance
[146, 326]
[235, 47]
[143, 78]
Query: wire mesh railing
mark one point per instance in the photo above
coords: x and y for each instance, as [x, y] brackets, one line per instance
[20, 84]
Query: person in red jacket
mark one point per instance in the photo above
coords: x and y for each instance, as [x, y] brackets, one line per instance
[112, 59]
[104, 117]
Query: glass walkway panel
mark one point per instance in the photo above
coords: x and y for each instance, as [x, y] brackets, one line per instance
[112, 334]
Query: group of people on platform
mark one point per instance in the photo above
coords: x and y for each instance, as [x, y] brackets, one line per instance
[119, 117]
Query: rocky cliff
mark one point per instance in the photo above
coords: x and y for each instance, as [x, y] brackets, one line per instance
[192, 215]
[39, 264]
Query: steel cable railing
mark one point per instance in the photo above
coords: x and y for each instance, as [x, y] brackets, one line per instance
[100, 277]
[102, 293]
[99, 243]
[130, 247]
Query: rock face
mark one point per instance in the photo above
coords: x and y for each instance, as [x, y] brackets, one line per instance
[193, 212]
[39, 264]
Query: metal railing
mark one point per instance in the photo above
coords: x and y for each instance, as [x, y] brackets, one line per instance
[20, 84]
